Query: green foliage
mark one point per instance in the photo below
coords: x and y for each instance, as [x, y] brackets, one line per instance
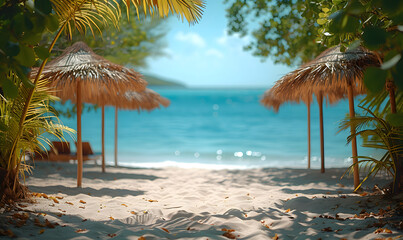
[131, 43]
[374, 79]
[21, 28]
[381, 135]
[40, 119]
[287, 31]
[376, 25]
[379, 102]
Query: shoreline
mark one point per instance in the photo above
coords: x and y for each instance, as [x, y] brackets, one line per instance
[177, 203]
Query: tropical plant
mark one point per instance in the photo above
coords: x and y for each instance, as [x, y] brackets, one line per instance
[379, 103]
[40, 119]
[376, 25]
[379, 135]
[21, 49]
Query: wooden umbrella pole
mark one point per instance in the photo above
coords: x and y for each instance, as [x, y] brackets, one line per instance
[79, 141]
[309, 134]
[354, 140]
[116, 136]
[322, 139]
[103, 139]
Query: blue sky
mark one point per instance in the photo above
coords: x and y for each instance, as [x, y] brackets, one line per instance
[204, 55]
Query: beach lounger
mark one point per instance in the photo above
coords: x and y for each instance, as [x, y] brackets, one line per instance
[38, 155]
[88, 154]
[60, 152]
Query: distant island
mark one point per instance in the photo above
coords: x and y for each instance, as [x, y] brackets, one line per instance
[161, 82]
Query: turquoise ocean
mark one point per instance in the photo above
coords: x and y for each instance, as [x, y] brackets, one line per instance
[218, 128]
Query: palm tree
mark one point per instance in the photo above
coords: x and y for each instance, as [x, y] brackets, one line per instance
[381, 135]
[82, 15]
[40, 118]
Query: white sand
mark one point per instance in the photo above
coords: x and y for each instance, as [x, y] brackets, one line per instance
[127, 203]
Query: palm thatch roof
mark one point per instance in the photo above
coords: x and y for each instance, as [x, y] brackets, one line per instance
[100, 79]
[273, 98]
[144, 100]
[329, 74]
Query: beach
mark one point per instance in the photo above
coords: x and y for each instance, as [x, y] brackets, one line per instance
[190, 203]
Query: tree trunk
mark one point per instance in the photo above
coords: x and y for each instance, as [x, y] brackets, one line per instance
[390, 86]
[11, 190]
[354, 140]
[398, 181]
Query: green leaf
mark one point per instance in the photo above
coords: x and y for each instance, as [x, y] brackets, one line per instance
[325, 10]
[350, 24]
[391, 6]
[5, 35]
[22, 73]
[12, 49]
[18, 24]
[32, 38]
[337, 21]
[355, 8]
[321, 21]
[354, 45]
[39, 22]
[374, 37]
[398, 75]
[26, 57]
[337, 2]
[44, 6]
[374, 79]
[395, 119]
[336, 14]
[52, 22]
[42, 52]
[323, 15]
[342, 48]
[392, 62]
[9, 88]
[3, 126]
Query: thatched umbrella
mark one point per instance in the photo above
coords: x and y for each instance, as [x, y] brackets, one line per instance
[332, 71]
[80, 75]
[144, 100]
[273, 98]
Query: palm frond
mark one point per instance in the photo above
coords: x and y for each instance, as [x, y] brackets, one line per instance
[378, 134]
[86, 14]
[40, 119]
[191, 10]
[379, 103]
